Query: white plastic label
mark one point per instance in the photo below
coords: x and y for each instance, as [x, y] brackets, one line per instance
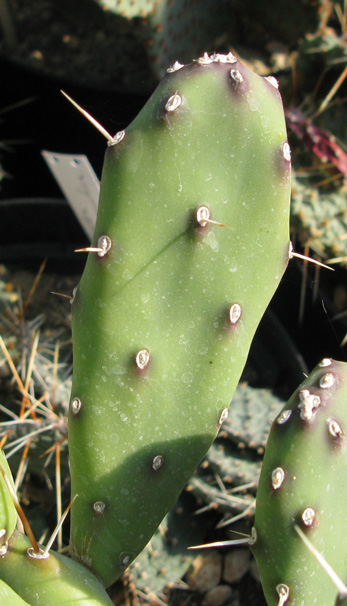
[79, 183]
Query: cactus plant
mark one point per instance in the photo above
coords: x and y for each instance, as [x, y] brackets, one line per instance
[319, 220]
[302, 485]
[251, 413]
[188, 250]
[179, 29]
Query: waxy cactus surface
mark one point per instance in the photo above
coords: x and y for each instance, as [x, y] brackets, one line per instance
[303, 485]
[10, 597]
[53, 581]
[8, 512]
[192, 240]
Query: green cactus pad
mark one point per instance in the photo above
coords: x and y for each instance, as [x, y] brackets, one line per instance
[303, 482]
[9, 597]
[53, 581]
[8, 512]
[166, 310]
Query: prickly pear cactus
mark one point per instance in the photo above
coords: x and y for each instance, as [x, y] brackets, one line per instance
[303, 483]
[191, 242]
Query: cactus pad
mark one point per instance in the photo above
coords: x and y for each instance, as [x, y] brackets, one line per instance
[52, 581]
[10, 597]
[8, 513]
[303, 483]
[191, 242]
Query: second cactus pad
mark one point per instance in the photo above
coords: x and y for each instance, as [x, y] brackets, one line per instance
[303, 487]
[191, 239]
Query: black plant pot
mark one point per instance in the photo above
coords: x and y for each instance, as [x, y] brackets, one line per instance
[33, 229]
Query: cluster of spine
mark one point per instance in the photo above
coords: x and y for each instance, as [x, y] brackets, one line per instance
[191, 242]
[302, 490]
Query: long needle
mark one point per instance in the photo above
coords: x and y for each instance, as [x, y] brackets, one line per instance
[92, 120]
[322, 561]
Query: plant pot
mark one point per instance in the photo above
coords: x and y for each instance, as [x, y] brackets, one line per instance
[34, 229]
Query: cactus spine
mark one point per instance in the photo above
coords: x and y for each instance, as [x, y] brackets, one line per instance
[302, 484]
[191, 242]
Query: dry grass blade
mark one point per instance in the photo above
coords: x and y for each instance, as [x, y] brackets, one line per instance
[13, 369]
[22, 466]
[33, 288]
[332, 92]
[55, 373]
[26, 401]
